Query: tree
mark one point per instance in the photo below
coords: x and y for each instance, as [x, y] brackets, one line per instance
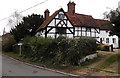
[114, 17]
[15, 19]
[33, 22]
[27, 27]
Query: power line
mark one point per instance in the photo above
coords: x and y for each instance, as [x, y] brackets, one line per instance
[34, 6]
[25, 9]
[4, 18]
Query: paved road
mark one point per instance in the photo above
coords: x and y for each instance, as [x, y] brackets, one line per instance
[0, 59]
[0, 47]
[11, 67]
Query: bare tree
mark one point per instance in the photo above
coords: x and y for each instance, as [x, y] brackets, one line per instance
[15, 19]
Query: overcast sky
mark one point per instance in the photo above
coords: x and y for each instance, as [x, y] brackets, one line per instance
[96, 8]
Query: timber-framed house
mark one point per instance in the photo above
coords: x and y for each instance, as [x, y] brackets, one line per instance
[73, 25]
[68, 24]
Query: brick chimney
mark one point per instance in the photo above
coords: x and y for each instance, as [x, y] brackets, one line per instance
[46, 14]
[71, 8]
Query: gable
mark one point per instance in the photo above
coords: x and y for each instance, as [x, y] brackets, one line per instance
[60, 20]
[55, 20]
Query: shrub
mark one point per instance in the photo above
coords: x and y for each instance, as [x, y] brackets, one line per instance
[58, 51]
[7, 43]
[35, 47]
[70, 51]
[103, 47]
[16, 48]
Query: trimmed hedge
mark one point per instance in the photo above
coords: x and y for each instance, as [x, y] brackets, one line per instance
[58, 51]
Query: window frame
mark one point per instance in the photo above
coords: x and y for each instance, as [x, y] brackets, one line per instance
[114, 40]
[107, 40]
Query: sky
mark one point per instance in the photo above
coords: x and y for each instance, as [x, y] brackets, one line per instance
[96, 8]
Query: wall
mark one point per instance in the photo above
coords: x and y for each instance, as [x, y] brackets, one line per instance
[92, 32]
[105, 34]
[89, 57]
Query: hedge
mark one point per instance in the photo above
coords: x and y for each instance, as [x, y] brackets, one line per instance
[58, 51]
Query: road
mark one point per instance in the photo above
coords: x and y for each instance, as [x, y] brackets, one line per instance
[0, 59]
[12, 67]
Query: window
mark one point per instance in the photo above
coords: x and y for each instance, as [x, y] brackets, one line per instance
[107, 31]
[114, 40]
[88, 29]
[61, 30]
[61, 16]
[107, 40]
[77, 33]
[103, 39]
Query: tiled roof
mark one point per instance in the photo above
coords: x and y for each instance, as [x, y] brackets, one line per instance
[104, 24]
[48, 20]
[82, 20]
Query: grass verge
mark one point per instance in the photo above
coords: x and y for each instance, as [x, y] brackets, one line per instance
[88, 62]
[108, 61]
[118, 63]
[61, 67]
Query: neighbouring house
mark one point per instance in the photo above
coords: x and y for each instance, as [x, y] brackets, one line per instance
[104, 36]
[6, 36]
[73, 25]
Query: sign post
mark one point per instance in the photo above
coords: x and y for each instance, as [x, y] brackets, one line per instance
[20, 44]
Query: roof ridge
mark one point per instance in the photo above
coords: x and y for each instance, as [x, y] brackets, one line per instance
[84, 14]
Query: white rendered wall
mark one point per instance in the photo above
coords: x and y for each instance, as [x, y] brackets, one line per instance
[105, 34]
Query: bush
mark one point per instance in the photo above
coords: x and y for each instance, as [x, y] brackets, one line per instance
[7, 44]
[58, 51]
[103, 47]
[15, 48]
[35, 47]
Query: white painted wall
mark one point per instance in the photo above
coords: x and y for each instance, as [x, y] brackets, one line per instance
[105, 34]
[86, 33]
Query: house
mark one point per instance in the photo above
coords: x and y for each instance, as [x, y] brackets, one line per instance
[104, 36]
[73, 25]
[6, 36]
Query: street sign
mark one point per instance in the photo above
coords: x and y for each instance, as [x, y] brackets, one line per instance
[20, 43]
